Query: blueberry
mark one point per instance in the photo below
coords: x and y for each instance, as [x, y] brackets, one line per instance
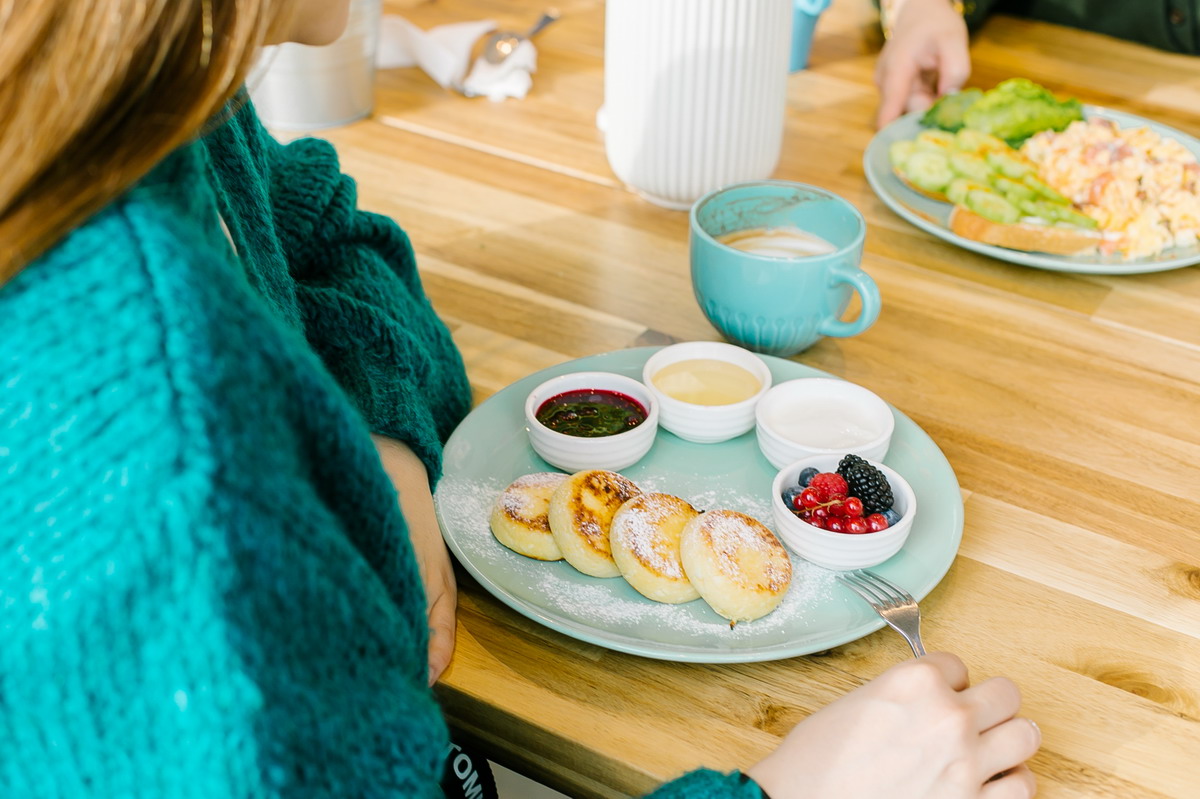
[807, 475]
[789, 496]
[891, 516]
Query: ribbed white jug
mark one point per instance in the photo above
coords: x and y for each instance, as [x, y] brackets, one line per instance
[694, 93]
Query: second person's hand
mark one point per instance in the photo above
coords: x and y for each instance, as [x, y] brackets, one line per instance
[926, 56]
[917, 731]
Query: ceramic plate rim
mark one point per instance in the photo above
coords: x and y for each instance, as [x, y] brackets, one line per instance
[630, 361]
[906, 203]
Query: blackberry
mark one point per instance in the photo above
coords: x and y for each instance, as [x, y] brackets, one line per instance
[867, 483]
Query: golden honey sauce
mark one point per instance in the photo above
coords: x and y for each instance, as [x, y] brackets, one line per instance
[706, 381]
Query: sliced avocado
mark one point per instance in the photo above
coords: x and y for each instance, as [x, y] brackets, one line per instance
[1069, 216]
[947, 112]
[959, 188]
[992, 206]
[970, 165]
[899, 152]
[1014, 191]
[1056, 214]
[1038, 209]
[1032, 181]
[976, 141]
[929, 170]
[1008, 163]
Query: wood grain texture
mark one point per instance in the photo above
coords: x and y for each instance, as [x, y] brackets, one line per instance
[1068, 405]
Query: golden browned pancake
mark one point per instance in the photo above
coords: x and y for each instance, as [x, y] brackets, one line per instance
[519, 517]
[736, 564]
[645, 546]
[581, 510]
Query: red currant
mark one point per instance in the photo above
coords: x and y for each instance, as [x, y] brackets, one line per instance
[809, 498]
[854, 507]
[838, 508]
[821, 513]
[877, 522]
[858, 525]
[836, 526]
[818, 522]
[806, 515]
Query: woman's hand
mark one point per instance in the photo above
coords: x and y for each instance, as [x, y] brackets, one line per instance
[926, 56]
[411, 480]
[917, 731]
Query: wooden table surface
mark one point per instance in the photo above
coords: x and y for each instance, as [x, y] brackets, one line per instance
[1068, 405]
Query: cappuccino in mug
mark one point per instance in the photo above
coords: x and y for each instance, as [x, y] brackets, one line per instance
[777, 242]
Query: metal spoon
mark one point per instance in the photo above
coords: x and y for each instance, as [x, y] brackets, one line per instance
[501, 44]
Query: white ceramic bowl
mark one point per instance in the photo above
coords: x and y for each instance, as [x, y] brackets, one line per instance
[822, 416]
[576, 453]
[706, 424]
[841, 551]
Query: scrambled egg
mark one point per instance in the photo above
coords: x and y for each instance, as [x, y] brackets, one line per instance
[1133, 182]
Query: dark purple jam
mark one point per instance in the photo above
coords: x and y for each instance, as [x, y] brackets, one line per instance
[591, 413]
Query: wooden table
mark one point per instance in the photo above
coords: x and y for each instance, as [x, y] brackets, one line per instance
[1068, 405]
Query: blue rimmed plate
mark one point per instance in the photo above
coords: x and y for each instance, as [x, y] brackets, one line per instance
[933, 216]
[490, 449]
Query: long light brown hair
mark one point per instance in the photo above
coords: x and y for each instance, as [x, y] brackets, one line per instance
[94, 93]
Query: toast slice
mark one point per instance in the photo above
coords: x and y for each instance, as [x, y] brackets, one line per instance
[1027, 236]
[1024, 236]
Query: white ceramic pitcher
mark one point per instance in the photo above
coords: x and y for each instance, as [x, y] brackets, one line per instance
[694, 93]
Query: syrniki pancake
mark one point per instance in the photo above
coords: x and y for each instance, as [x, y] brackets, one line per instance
[736, 564]
[519, 517]
[581, 510]
[645, 546]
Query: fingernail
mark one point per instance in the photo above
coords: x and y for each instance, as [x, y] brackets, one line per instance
[1037, 729]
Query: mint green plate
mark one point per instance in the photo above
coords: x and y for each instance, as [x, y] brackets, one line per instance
[490, 449]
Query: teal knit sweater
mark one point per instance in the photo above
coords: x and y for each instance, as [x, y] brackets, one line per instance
[207, 587]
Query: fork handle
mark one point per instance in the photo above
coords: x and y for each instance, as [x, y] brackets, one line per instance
[913, 639]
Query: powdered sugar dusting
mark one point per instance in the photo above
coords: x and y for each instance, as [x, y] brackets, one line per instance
[639, 527]
[609, 607]
[734, 535]
[529, 496]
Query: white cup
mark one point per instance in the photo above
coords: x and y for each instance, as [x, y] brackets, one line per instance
[296, 87]
[694, 93]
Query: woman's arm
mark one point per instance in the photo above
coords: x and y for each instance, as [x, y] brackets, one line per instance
[408, 475]
[363, 307]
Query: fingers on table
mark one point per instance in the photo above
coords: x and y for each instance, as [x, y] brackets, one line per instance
[1019, 783]
[949, 666]
[1007, 746]
[993, 702]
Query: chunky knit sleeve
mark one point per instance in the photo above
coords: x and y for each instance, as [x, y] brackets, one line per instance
[207, 586]
[709, 784]
[363, 306]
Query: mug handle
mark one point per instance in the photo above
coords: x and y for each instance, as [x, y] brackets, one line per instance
[868, 292]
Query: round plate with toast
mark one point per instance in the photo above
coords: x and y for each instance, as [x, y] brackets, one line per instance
[932, 216]
[490, 449]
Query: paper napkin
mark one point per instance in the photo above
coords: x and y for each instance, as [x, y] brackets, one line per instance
[444, 53]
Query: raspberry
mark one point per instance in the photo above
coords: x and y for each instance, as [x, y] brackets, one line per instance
[829, 485]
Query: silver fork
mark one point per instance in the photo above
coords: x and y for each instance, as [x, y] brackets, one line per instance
[894, 605]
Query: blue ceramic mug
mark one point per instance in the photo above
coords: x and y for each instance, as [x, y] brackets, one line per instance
[776, 304]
